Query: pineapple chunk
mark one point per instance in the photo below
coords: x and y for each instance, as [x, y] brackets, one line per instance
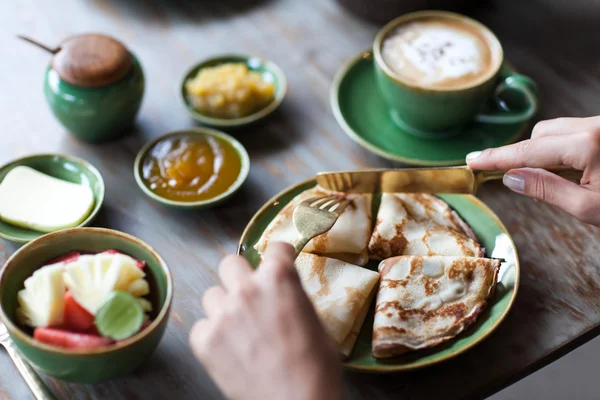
[146, 305]
[92, 277]
[139, 288]
[42, 302]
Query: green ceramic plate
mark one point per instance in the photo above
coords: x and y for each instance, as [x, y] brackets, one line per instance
[60, 166]
[270, 73]
[363, 114]
[491, 233]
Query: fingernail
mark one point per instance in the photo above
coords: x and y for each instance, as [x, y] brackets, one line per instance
[473, 155]
[514, 182]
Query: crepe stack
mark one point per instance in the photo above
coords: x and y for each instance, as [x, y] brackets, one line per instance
[433, 285]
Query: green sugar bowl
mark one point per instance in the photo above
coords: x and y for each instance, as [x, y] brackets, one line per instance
[94, 86]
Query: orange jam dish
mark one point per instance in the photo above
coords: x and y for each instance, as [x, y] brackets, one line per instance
[229, 91]
[191, 168]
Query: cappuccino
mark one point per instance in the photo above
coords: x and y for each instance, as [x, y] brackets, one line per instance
[439, 53]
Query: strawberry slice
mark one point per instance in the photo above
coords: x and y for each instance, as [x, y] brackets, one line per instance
[66, 258]
[76, 318]
[69, 340]
[141, 264]
[93, 331]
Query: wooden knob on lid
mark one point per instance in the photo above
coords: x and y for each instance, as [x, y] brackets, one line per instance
[91, 60]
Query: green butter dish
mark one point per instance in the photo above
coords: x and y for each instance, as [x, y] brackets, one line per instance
[64, 167]
[94, 364]
[363, 114]
[491, 234]
[269, 72]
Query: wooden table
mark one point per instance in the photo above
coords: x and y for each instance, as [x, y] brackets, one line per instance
[558, 307]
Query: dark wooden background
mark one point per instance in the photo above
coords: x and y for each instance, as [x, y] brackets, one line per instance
[555, 42]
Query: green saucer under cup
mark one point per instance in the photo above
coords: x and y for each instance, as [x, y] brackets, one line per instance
[362, 112]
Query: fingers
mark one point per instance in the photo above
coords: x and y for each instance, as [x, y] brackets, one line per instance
[233, 270]
[544, 152]
[278, 261]
[212, 301]
[550, 188]
[197, 337]
[561, 126]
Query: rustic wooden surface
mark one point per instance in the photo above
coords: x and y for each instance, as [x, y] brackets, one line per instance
[558, 306]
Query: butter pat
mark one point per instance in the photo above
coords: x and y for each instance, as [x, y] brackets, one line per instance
[33, 200]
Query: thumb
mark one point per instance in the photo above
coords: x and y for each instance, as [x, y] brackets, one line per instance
[278, 262]
[552, 189]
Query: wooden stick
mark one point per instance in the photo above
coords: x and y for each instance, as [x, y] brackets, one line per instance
[38, 44]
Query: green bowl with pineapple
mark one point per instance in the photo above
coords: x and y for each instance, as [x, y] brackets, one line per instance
[86, 304]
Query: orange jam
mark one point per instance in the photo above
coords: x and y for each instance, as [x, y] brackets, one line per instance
[191, 168]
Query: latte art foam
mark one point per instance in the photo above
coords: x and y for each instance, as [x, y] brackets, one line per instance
[437, 54]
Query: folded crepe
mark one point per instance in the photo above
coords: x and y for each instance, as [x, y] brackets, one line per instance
[420, 225]
[347, 240]
[348, 345]
[340, 293]
[424, 301]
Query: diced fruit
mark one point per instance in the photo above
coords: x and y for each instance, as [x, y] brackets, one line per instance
[66, 258]
[141, 264]
[145, 324]
[139, 288]
[69, 340]
[146, 305]
[76, 318]
[93, 331]
[120, 317]
[92, 277]
[42, 302]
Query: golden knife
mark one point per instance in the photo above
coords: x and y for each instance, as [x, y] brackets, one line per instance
[425, 180]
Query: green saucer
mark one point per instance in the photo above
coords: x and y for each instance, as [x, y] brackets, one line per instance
[363, 114]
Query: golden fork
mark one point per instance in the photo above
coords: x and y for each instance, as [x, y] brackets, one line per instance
[33, 380]
[316, 216]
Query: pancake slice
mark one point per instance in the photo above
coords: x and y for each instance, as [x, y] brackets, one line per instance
[425, 301]
[339, 292]
[347, 240]
[420, 225]
[348, 345]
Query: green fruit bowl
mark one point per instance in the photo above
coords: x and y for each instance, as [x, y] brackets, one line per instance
[68, 168]
[90, 365]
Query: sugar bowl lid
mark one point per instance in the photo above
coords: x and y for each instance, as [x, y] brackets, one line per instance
[91, 60]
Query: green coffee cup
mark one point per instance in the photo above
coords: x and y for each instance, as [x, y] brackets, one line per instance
[495, 96]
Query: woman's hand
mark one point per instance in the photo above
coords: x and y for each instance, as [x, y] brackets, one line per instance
[572, 142]
[262, 338]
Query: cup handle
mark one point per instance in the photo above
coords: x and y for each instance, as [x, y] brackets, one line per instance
[505, 115]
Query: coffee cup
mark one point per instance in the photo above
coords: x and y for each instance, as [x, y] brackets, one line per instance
[439, 71]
